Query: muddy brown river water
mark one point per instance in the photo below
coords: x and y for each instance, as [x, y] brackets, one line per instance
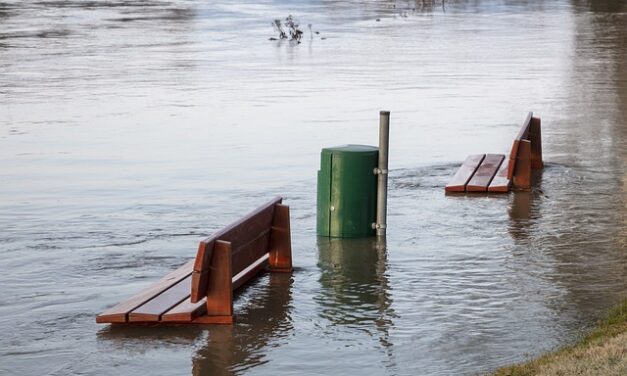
[129, 130]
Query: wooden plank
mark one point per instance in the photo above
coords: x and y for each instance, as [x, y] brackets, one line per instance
[238, 232]
[244, 230]
[185, 311]
[152, 310]
[251, 271]
[119, 313]
[280, 247]
[465, 173]
[250, 252]
[485, 173]
[500, 182]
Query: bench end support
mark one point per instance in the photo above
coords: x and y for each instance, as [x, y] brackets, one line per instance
[522, 169]
[280, 252]
[219, 288]
[535, 136]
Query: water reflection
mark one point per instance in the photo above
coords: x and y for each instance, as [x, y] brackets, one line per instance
[610, 6]
[524, 209]
[355, 291]
[143, 338]
[262, 321]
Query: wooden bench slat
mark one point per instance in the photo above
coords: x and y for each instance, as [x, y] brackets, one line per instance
[119, 313]
[500, 183]
[484, 174]
[255, 222]
[249, 272]
[153, 309]
[238, 233]
[185, 311]
[248, 253]
[465, 173]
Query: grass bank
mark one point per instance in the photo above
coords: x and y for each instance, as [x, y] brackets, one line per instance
[603, 352]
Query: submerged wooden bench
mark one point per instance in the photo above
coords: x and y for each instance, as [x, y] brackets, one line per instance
[495, 172]
[201, 291]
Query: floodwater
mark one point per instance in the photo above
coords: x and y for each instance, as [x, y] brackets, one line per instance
[129, 130]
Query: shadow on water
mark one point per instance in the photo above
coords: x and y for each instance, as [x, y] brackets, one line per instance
[355, 291]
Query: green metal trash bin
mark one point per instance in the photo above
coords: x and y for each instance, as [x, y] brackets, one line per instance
[347, 191]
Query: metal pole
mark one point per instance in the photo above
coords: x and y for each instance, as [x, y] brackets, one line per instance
[382, 172]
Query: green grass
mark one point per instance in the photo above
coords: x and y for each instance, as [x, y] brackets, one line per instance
[603, 352]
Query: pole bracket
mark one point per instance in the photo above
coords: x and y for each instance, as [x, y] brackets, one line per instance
[378, 171]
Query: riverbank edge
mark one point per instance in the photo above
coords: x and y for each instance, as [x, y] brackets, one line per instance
[603, 351]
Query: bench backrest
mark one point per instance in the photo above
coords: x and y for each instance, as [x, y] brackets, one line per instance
[248, 240]
[526, 150]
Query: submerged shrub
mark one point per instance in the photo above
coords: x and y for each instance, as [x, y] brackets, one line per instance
[291, 32]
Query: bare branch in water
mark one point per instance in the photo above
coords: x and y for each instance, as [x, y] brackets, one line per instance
[293, 33]
[292, 27]
[279, 28]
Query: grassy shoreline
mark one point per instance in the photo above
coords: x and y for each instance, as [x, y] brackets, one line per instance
[603, 352]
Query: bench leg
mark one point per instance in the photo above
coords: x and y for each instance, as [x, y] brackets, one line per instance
[522, 168]
[219, 288]
[280, 259]
[535, 136]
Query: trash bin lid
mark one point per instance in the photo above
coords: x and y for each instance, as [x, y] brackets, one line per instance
[351, 149]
